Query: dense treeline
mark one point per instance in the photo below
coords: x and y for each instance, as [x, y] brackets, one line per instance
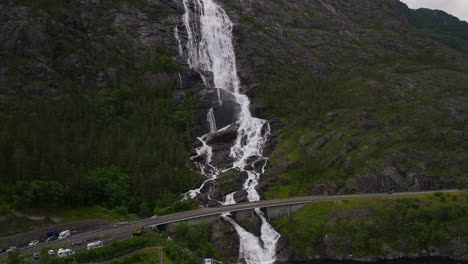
[89, 116]
[114, 147]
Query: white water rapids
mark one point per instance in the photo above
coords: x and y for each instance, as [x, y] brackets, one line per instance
[209, 48]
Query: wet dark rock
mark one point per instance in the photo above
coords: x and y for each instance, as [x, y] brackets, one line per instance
[226, 183]
[225, 113]
[241, 196]
[221, 143]
[227, 136]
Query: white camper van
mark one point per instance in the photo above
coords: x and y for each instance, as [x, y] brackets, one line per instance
[64, 234]
[64, 252]
[95, 244]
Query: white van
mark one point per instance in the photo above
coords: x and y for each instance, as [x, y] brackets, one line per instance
[64, 234]
[65, 252]
[95, 244]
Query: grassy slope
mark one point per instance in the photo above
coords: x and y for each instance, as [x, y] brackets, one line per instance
[375, 227]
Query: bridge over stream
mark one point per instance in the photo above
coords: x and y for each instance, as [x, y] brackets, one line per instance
[272, 209]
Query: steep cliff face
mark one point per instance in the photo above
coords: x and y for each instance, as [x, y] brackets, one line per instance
[364, 102]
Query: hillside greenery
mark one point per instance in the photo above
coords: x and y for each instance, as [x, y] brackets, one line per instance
[346, 124]
[442, 27]
[79, 140]
[373, 227]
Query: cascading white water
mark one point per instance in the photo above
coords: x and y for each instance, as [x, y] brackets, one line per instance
[209, 48]
[211, 120]
[179, 45]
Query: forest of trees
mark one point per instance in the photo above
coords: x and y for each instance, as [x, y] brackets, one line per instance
[123, 146]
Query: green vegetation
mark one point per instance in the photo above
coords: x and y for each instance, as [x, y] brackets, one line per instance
[462, 184]
[372, 227]
[442, 27]
[98, 136]
[196, 239]
[176, 207]
[145, 256]
[342, 125]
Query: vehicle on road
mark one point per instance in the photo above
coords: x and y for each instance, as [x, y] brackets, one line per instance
[154, 217]
[95, 244]
[33, 243]
[138, 232]
[64, 234]
[64, 252]
[11, 249]
[390, 193]
[52, 238]
[51, 252]
[52, 233]
[35, 256]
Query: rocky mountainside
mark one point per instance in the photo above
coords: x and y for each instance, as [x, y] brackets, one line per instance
[98, 107]
[359, 104]
[363, 102]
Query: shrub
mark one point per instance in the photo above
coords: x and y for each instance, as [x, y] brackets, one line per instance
[462, 184]
[121, 210]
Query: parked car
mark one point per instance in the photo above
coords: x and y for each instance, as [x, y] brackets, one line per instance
[11, 249]
[64, 234]
[33, 243]
[35, 256]
[64, 252]
[51, 252]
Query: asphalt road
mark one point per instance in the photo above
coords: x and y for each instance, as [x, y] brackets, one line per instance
[124, 231]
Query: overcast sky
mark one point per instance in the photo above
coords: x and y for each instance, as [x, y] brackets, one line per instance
[458, 8]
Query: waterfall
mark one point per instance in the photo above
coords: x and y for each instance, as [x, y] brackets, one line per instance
[209, 48]
[211, 120]
[179, 45]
